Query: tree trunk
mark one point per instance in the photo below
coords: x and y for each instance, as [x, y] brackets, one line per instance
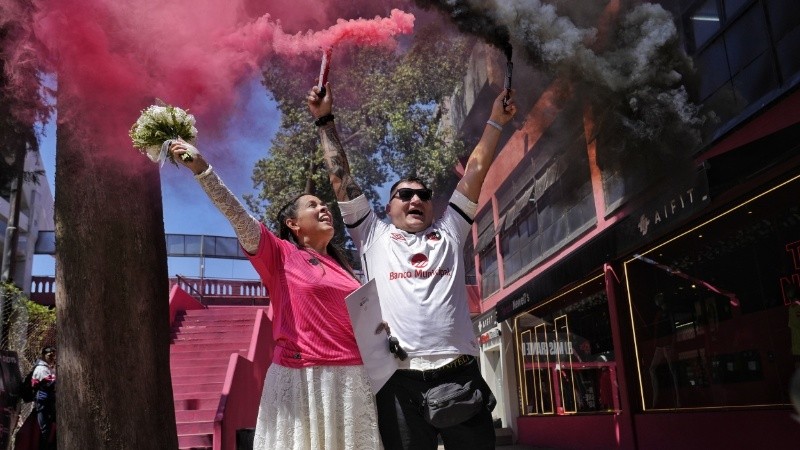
[114, 382]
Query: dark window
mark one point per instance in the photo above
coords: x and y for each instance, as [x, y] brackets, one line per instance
[712, 67]
[490, 277]
[702, 22]
[756, 80]
[565, 352]
[746, 39]
[785, 21]
[734, 6]
[716, 311]
[469, 262]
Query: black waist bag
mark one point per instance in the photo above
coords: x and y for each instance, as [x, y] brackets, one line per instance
[449, 404]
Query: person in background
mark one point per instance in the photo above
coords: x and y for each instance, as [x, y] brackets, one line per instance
[418, 266]
[316, 393]
[44, 383]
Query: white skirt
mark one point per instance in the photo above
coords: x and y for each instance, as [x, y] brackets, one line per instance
[316, 408]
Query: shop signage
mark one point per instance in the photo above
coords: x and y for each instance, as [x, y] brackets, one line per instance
[507, 308]
[547, 348]
[669, 208]
[489, 335]
[484, 322]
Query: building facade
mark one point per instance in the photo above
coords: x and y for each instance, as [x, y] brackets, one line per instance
[36, 213]
[631, 307]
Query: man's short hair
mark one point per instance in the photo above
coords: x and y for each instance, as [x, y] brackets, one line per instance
[410, 179]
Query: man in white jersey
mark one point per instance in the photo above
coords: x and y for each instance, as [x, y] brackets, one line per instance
[418, 266]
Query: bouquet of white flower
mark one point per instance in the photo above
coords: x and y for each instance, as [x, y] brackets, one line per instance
[157, 127]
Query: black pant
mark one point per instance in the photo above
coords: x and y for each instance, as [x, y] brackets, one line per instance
[403, 427]
[46, 416]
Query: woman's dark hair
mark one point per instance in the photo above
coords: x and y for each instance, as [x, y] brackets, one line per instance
[289, 211]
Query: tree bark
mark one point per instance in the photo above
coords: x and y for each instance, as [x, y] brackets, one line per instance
[114, 386]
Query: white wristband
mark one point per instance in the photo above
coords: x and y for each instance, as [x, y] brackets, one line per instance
[494, 124]
[204, 173]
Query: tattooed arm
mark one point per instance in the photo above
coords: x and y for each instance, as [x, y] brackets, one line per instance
[344, 185]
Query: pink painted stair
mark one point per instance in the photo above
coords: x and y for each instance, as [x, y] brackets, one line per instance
[201, 346]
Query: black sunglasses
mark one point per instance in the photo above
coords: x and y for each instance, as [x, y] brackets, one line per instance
[406, 194]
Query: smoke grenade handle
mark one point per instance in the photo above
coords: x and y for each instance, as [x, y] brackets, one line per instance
[323, 71]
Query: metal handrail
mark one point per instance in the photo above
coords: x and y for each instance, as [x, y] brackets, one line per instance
[199, 294]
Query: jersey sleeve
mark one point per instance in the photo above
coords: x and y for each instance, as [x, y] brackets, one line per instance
[458, 217]
[361, 221]
[269, 255]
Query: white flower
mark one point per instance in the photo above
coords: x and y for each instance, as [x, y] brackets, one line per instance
[159, 124]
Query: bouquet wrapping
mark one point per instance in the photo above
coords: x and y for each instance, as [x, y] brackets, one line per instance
[157, 127]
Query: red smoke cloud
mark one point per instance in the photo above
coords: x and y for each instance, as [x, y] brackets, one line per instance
[117, 56]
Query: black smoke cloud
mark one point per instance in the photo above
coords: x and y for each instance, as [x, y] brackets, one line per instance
[632, 76]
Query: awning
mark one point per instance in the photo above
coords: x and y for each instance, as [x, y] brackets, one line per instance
[519, 205]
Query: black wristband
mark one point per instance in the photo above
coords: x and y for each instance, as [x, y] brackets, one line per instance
[323, 120]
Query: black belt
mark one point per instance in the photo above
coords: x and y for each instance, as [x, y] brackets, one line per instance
[452, 367]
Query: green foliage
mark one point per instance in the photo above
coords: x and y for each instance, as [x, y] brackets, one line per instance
[22, 100]
[30, 326]
[389, 108]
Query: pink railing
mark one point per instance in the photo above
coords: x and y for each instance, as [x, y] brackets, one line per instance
[43, 290]
[219, 291]
[214, 291]
[241, 391]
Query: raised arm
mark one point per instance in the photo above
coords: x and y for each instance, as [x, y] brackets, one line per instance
[482, 156]
[246, 227]
[344, 185]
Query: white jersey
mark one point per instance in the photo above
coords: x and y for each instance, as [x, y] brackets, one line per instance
[419, 276]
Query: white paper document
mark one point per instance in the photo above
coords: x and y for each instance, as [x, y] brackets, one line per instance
[364, 307]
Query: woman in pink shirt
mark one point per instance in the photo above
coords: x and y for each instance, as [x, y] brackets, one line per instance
[316, 393]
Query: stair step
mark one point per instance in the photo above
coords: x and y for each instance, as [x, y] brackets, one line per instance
[239, 343]
[195, 442]
[197, 379]
[192, 401]
[218, 355]
[232, 323]
[195, 415]
[188, 346]
[197, 370]
[200, 388]
[198, 338]
[503, 436]
[182, 360]
[219, 312]
[194, 327]
[195, 428]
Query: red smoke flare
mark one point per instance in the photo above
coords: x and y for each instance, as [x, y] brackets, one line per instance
[117, 56]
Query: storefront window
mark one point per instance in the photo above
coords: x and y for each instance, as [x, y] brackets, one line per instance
[565, 354]
[716, 310]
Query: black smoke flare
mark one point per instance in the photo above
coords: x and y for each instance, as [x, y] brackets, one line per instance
[507, 85]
